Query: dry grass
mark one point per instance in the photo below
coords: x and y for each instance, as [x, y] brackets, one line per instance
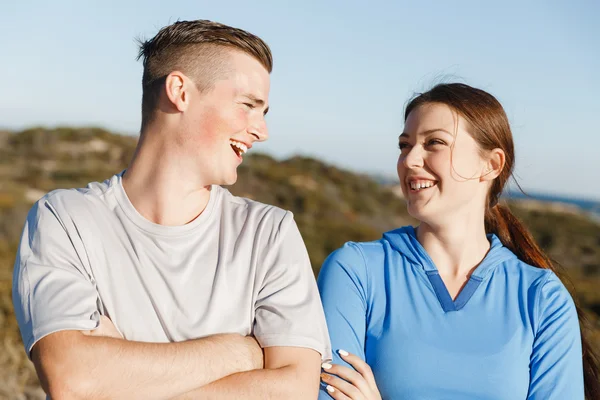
[18, 380]
[345, 207]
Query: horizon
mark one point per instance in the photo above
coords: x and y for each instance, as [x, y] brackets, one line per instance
[342, 74]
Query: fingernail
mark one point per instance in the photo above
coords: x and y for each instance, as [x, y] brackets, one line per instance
[324, 377]
[330, 389]
[343, 353]
[325, 365]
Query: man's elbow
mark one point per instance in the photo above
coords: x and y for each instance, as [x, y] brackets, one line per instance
[70, 387]
[65, 382]
[301, 382]
[62, 374]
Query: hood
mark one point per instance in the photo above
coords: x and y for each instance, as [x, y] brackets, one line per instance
[404, 240]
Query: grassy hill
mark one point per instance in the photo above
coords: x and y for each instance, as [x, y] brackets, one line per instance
[331, 206]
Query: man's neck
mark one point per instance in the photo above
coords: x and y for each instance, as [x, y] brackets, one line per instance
[162, 187]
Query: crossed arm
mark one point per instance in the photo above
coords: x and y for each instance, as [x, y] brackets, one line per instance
[279, 380]
[76, 365]
[51, 283]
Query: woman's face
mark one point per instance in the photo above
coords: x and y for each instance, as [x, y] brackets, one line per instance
[440, 166]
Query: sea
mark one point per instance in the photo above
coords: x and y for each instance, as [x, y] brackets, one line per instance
[586, 205]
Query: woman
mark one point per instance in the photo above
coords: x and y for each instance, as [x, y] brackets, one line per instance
[466, 305]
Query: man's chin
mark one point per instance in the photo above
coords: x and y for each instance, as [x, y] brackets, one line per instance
[228, 181]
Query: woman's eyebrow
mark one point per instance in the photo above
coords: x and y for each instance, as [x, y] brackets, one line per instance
[427, 132]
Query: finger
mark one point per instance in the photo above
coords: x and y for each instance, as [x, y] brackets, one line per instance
[107, 328]
[360, 366]
[336, 394]
[343, 386]
[104, 320]
[98, 331]
[349, 374]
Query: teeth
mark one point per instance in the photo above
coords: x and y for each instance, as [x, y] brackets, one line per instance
[421, 185]
[243, 148]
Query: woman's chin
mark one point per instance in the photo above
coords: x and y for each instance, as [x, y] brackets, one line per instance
[424, 212]
[418, 212]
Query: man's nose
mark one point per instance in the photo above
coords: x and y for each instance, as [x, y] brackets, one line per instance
[259, 130]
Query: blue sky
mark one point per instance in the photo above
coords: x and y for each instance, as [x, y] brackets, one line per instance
[343, 72]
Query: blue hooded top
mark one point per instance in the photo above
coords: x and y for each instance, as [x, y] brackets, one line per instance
[512, 332]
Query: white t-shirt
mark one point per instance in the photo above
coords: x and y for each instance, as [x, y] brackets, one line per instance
[241, 266]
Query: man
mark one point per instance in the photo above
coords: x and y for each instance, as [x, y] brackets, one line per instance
[162, 256]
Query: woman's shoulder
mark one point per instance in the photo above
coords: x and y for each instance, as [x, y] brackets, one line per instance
[545, 286]
[529, 275]
[367, 258]
[365, 252]
[356, 255]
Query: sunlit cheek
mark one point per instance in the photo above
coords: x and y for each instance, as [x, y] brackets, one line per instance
[209, 131]
[465, 159]
[465, 169]
[239, 119]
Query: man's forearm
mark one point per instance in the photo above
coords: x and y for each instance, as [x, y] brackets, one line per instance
[101, 367]
[290, 382]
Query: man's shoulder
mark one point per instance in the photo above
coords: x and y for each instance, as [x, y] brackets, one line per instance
[71, 200]
[254, 208]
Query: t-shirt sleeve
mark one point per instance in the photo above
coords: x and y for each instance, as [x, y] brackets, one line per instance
[342, 284]
[556, 366]
[288, 309]
[51, 291]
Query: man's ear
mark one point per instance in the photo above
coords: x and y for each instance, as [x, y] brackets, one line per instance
[176, 89]
[494, 165]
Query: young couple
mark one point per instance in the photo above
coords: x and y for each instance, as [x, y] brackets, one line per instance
[159, 284]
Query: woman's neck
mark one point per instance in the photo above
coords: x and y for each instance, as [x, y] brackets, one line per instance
[456, 248]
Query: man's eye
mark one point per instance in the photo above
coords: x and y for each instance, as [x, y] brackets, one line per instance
[249, 105]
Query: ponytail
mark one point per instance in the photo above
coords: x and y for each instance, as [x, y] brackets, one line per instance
[513, 235]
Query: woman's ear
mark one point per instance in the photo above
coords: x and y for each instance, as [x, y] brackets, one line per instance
[494, 165]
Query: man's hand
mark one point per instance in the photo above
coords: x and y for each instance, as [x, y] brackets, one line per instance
[106, 329]
[255, 352]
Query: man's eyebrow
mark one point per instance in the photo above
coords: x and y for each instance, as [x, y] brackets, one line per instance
[257, 101]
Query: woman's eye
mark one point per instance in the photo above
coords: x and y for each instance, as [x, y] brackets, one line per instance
[434, 142]
[402, 146]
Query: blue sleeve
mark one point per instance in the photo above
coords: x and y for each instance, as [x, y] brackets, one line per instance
[342, 285]
[556, 365]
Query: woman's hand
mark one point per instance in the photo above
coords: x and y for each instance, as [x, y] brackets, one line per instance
[346, 383]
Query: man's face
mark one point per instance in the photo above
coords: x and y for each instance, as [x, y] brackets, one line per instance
[222, 123]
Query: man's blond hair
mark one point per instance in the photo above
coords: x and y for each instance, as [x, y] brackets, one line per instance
[195, 48]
